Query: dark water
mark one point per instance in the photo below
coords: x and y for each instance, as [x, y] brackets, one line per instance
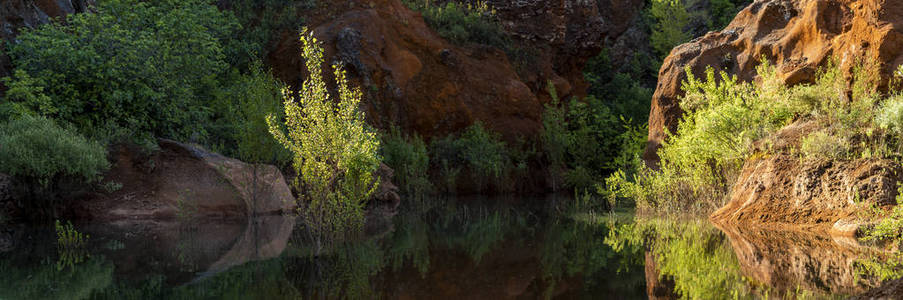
[445, 251]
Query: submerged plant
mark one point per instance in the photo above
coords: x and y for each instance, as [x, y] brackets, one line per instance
[70, 245]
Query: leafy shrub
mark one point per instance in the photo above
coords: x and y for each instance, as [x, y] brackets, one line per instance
[146, 67]
[825, 145]
[335, 152]
[261, 23]
[670, 28]
[890, 116]
[39, 151]
[445, 155]
[698, 163]
[484, 154]
[240, 129]
[477, 151]
[461, 24]
[410, 160]
[584, 141]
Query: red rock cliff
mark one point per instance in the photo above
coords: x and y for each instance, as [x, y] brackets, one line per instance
[798, 36]
[414, 78]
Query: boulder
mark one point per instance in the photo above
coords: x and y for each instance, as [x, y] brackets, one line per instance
[797, 36]
[181, 180]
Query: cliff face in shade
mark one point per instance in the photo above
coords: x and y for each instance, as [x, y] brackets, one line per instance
[18, 14]
[797, 36]
[414, 78]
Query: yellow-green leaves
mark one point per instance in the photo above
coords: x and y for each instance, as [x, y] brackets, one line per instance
[335, 151]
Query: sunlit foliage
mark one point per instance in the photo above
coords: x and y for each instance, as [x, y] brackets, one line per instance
[335, 152]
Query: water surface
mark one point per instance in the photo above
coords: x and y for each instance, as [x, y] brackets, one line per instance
[535, 248]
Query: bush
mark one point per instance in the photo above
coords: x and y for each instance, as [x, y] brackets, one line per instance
[484, 154]
[410, 160]
[477, 151]
[890, 116]
[240, 128]
[823, 144]
[700, 161]
[461, 24]
[670, 27]
[146, 67]
[41, 152]
[335, 152]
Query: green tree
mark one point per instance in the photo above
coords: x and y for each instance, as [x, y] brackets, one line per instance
[669, 30]
[335, 152]
[140, 68]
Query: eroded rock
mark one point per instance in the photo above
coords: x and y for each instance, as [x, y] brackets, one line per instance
[784, 189]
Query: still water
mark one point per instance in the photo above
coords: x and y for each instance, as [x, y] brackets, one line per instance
[444, 250]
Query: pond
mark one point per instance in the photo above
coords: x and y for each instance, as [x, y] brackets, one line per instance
[497, 249]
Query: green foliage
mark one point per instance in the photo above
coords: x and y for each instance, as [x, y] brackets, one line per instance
[484, 154]
[584, 141]
[825, 145]
[461, 24]
[723, 117]
[889, 229]
[47, 281]
[335, 152]
[670, 28]
[694, 254]
[261, 21]
[68, 237]
[146, 68]
[410, 159]
[241, 129]
[478, 151]
[624, 93]
[38, 151]
[890, 116]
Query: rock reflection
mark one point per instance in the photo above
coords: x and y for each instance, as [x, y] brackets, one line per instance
[787, 260]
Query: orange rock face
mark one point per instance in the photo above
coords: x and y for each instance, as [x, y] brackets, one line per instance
[797, 36]
[413, 78]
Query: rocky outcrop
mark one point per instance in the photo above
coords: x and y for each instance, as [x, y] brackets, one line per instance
[185, 181]
[779, 187]
[786, 190]
[18, 14]
[415, 79]
[797, 36]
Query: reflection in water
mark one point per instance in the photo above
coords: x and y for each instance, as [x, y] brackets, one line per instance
[444, 250]
[694, 259]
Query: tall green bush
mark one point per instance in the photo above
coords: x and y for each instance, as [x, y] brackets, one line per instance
[335, 152]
